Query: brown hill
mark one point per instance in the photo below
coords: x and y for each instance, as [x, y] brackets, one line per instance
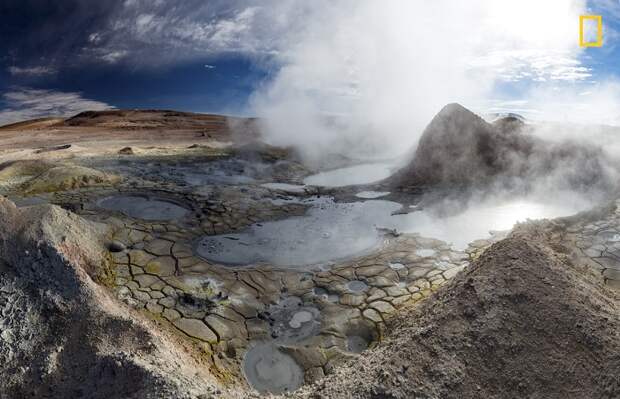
[147, 119]
[115, 129]
[39, 123]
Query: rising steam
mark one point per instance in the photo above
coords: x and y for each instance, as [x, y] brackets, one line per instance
[362, 78]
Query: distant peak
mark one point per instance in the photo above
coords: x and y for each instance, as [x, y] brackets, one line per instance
[454, 108]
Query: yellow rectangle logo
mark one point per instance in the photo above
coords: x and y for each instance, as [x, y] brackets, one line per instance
[599, 31]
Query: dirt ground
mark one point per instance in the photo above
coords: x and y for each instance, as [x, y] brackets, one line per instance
[535, 315]
[521, 322]
[109, 131]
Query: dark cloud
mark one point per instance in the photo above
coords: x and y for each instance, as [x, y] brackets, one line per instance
[42, 33]
[57, 34]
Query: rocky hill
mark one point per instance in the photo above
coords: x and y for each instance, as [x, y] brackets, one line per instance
[62, 333]
[458, 148]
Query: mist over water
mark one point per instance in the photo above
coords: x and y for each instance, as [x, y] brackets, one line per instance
[362, 79]
[332, 231]
[478, 220]
[352, 175]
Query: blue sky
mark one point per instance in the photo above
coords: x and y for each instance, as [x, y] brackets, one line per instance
[215, 55]
[222, 86]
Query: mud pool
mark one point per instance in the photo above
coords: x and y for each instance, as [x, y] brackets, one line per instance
[352, 175]
[270, 370]
[289, 188]
[371, 194]
[292, 322]
[328, 232]
[333, 231]
[278, 283]
[144, 207]
[226, 171]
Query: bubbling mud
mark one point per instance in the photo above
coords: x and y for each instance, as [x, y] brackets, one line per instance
[268, 370]
[357, 344]
[357, 286]
[360, 335]
[292, 322]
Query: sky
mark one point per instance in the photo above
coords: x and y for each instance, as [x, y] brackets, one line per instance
[388, 65]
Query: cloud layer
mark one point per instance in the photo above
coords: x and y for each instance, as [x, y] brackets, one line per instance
[518, 39]
[143, 33]
[22, 104]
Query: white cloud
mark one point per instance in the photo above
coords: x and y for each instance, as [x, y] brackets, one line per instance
[32, 71]
[597, 103]
[150, 33]
[114, 56]
[25, 103]
[540, 65]
[94, 38]
[584, 103]
[155, 33]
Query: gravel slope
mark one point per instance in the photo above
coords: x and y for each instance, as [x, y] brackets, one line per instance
[520, 323]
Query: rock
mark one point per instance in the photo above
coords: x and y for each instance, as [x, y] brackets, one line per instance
[196, 329]
[145, 280]
[53, 148]
[171, 314]
[167, 302]
[162, 266]
[159, 247]
[382, 307]
[396, 291]
[458, 146]
[225, 329]
[116, 246]
[351, 300]
[372, 315]
[60, 330]
[448, 274]
[154, 307]
[126, 151]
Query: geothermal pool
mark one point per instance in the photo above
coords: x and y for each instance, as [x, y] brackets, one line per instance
[352, 175]
[143, 207]
[332, 231]
[329, 231]
[268, 369]
[265, 366]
